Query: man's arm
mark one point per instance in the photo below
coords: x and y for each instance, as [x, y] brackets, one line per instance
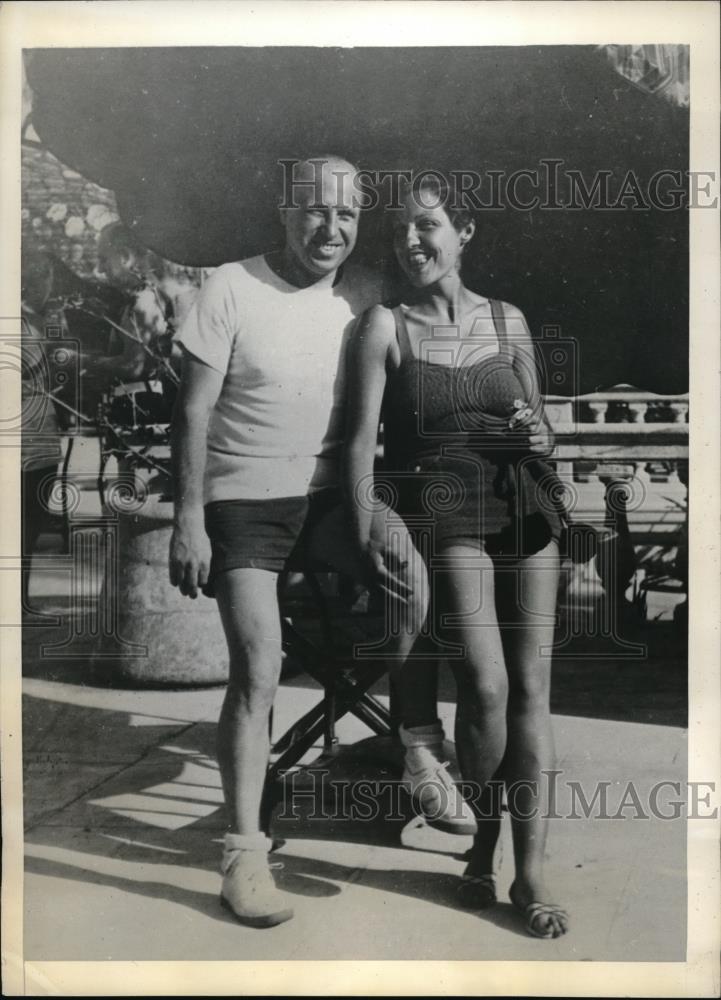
[189, 560]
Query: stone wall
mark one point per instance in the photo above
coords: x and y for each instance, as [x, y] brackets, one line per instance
[63, 213]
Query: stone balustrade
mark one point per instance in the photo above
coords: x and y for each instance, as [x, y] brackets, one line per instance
[630, 435]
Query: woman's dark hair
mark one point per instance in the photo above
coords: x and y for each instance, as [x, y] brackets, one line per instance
[445, 194]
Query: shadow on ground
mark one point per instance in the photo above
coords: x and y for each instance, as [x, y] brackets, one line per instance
[641, 677]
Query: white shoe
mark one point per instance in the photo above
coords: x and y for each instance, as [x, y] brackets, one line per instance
[426, 777]
[248, 890]
[437, 798]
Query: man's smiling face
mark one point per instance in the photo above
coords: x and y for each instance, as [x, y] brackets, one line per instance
[321, 229]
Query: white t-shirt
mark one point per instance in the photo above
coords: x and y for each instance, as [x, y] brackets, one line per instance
[277, 427]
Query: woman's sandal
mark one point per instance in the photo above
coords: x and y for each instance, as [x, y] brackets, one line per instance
[534, 911]
[477, 892]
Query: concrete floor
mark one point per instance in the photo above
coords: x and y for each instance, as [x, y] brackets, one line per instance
[123, 827]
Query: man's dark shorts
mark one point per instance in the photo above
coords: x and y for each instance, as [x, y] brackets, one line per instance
[264, 534]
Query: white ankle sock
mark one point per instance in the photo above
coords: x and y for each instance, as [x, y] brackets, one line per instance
[422, 736]
[247, 842]
[422, 744]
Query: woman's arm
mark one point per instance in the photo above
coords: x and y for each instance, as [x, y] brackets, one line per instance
[368, 355]
[540, 435]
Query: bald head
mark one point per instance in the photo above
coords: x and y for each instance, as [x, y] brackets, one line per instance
[316, 178]
[319, 213]
[309, 168]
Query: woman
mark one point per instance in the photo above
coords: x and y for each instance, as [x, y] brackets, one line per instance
[464, 427]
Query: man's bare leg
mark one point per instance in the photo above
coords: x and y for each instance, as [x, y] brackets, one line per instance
[249, 611]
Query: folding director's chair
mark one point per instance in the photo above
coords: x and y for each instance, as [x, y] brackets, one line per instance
[345, 683]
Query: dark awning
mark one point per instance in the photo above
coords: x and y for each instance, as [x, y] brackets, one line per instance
[189, 139]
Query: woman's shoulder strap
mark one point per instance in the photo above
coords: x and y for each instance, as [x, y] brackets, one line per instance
[498, 315]
[404, 342]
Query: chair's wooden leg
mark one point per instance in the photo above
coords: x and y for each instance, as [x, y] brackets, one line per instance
[64, 494]
[367, 711]
[379, 710]
[268, 801]
[330, 706]
[394, 704]
[298, 729]
[295, 751]
[348, 697]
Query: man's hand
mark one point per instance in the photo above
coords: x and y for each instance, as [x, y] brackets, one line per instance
[189, 560]
[384, 570]
[539, 437]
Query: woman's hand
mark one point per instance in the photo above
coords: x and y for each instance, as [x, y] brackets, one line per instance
[539, 437]
[383, 569]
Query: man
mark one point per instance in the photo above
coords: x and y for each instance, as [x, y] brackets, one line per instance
[256, 441]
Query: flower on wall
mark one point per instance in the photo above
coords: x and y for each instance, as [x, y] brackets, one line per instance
[99, 216]
[57, 212]
[74, 226]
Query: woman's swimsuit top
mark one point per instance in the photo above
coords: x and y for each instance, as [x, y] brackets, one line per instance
[430, 406]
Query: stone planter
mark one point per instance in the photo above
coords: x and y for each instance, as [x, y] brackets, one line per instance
[159, 637]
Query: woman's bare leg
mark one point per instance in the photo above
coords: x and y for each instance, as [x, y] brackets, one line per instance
[527, 605]
[488, 818]
[467, 615]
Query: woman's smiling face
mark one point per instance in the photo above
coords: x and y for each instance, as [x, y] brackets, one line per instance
[427, 244]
